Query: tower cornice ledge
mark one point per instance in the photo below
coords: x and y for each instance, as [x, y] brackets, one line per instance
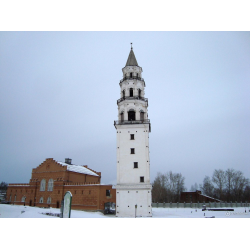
[133, 187]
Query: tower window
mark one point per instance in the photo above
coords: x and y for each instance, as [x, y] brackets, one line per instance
[132, 151]
[131, 92]
[142, 116]
[141, 178]
[123, 93]
[122, 116]
[135, 164]
[132, 136]
[131, 75]
[131, 115]
[139, 93]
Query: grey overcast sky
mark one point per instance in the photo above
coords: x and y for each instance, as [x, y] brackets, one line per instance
[59, 91]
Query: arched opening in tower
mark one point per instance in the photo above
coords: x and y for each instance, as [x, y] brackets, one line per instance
[122, 117]
[139, 93]
[131, 115]
[142, 116]
[131, 92]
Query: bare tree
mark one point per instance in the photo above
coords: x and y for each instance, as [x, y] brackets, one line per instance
[207, 187]
[246, 197]
[231, 185]
[3, 186]
[159, 189]
[229, 177]
[239, 183]
[167, 187]
[219, 180]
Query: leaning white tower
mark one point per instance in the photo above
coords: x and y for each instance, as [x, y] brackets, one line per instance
[133, 189]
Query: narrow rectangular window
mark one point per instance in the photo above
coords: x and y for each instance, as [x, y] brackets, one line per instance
[142, 179]
[132, 136]
[107, 192]
[135, 164]
[132, 151]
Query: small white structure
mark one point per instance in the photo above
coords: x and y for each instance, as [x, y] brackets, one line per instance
[133, 189]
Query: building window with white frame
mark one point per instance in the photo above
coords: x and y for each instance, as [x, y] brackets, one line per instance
[23, 199]
[41, 200]
[42, 185]
[49, 200]
[50, 185]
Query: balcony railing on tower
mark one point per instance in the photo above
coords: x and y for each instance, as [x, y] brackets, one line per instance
[126, 122]
[132, 77]
[132, 98]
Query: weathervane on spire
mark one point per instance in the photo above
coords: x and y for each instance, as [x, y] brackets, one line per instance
[131, 46]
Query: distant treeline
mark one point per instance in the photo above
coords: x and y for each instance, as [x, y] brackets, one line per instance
[167, 187]
[229, 185]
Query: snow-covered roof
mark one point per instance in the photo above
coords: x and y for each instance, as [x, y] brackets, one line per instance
[210, 197]
[78, 169]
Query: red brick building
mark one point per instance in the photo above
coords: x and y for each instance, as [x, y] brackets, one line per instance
[50, 181]
[196, 196]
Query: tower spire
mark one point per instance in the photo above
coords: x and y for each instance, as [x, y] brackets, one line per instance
[131, 58]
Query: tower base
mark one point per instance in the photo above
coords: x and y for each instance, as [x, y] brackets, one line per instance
[133, 200]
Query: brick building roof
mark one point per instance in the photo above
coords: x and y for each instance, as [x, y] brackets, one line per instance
[78, 169]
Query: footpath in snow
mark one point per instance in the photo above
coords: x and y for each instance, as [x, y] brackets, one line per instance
[16, 211]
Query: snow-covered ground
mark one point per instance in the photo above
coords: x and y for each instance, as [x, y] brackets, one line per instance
[15, 211]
